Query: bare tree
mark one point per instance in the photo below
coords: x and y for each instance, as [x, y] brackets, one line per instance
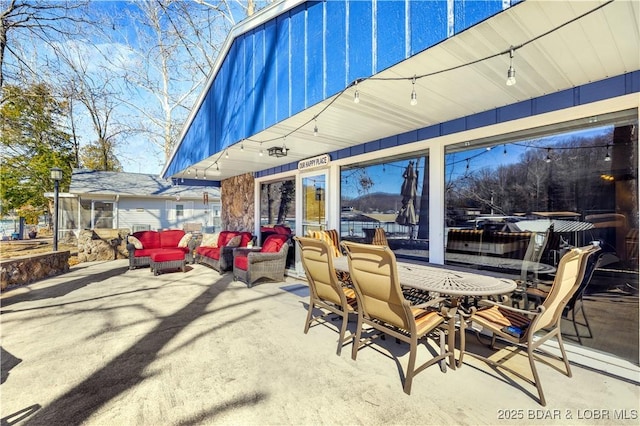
[37, 22]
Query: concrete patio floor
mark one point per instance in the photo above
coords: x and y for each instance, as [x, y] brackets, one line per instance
[102, 345]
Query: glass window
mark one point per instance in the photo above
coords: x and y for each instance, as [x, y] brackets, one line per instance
[390, 194]
[517, 205]
[278, 212]
[179, 210]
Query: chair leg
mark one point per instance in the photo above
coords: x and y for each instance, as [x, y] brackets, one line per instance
[309, 315]
[536, 378]
[356, 338]
[343, 331]
[408, 380]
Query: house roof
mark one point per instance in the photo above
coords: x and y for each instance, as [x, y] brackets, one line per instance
[101, 183]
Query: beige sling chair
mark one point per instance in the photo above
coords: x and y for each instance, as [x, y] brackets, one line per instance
[519, 327]
[325, 292]
[383, 307]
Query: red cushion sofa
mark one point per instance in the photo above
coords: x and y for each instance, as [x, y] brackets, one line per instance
[154, 242]
[221, 258]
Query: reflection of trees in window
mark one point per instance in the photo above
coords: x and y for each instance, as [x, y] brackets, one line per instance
[277, 200]
[553, 174]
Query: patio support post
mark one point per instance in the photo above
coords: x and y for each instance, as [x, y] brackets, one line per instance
[56, 175]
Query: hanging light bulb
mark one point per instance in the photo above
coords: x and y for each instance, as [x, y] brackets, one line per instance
[548, 159]
[511, 72]
[188, 171]
[468, 164]
[315, 127]
[226, 154]
[414, 96]
[504, 151]
[356, 94]
[260, 153]
[242, 146]
[607, 157]
[196, 173]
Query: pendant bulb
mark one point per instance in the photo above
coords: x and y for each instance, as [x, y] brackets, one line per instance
[414, 96]
[511, 72]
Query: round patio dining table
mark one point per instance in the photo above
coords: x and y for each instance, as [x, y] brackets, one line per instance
[448, 282]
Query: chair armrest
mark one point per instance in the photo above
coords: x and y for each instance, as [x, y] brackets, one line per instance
[257, 257]
[245, 250]
[540, 309]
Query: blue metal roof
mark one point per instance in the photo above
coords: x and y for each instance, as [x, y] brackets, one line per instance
[309, 51]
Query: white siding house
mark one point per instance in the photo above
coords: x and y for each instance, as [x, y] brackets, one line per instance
[136, 201]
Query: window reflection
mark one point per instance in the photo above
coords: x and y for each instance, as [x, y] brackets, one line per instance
[516, 207]
[388, 195]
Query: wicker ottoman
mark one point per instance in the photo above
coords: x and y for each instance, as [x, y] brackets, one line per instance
[167, 259]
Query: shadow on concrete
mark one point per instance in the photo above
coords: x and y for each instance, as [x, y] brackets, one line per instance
[129, 368]
[63, 288]
[14, 418]
[8, 361]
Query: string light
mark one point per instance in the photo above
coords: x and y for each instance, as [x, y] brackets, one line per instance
[226, 154]
[548, 159]
[511, 72]
[511, 80]
[607, 157]
[315, 126]
[196, 173]
[414, 96]
[504, 151]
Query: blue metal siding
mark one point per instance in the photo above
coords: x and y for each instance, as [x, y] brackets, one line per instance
[469, 12]
[282, 61]
[259, 79]
[312, 52]
[427, 24]
[270, 74]
[336, 47]
[390, 33]
[298, 59]
[360, 39]
[315, 49]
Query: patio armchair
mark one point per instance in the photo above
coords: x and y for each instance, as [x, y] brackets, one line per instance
[325, 292]
[268, 261]
[518, 327]
[384, 309]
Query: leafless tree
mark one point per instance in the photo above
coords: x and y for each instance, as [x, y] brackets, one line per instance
[35, 21]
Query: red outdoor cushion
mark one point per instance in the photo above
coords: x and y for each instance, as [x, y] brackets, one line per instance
[273, 243]
[149, 239]
[170, 238]
[167, 255]
[210, 252]
[241, 261]
[145, 252]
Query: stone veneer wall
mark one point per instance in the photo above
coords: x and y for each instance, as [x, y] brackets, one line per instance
[237, 203]
[27, 269]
